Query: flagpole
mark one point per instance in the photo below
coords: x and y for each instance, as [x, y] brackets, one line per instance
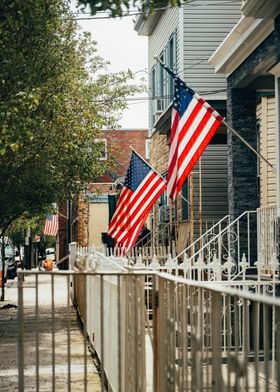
[183, 198]
[133, 149]
[249, 146]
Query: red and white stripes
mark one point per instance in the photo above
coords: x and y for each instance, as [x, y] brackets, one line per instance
[190, 135]
[133, 208]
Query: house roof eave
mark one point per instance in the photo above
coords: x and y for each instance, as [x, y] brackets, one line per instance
[145, 24]
[243, 39]
[260, 8]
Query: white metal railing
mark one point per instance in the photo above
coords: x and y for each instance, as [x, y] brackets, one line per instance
[216, 338]
[226, 250]
[199, 335]
[250, 241]
[111, 306]
[215, 322]
[228, 254]
[154, 256]
[206, 237]
[267, 236]
[116, 330]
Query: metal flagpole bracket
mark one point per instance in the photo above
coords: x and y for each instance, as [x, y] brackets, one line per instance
[159, 60]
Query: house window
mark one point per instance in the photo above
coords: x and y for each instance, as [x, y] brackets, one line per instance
[161, 77]
[162, 84]
[171, 48]
[153, 83]
[101, 148]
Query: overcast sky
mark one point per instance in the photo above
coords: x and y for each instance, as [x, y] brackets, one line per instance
[119, 43]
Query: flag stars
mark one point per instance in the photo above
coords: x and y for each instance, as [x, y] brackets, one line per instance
[135, 201]
[137, 171]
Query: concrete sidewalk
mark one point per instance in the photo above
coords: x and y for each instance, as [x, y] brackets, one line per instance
[51, 331]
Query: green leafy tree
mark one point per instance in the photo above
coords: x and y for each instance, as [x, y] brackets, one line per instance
[35, 225]
[120, 8]
[55, 97]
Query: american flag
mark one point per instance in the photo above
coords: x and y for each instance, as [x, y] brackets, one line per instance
[193, 124]
[142, 187]
[51, 225]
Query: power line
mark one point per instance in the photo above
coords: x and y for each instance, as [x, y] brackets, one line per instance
[151, 98]
[135, 12]
[188, 2]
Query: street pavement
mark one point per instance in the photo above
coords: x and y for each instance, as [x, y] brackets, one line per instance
[50, 329]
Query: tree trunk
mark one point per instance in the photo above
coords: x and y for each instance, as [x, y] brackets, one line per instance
[3, 268]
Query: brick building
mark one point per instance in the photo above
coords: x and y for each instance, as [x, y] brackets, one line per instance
[92, 211]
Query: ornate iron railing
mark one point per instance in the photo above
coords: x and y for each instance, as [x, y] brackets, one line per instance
[228, 250]
[267, 236]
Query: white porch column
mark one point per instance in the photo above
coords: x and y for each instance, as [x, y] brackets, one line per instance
[276, 72]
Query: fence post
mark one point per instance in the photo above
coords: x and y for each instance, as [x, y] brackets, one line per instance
[72, 255]
[155, 304]
[20, 333]
[72, 251]
[216, 341]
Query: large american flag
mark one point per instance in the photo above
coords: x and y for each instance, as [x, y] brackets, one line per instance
[142, 187]
[51, 225]
[193, 124]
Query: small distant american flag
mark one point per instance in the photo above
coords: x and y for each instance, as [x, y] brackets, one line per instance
[142, 187]
[193, 125]
[51, 225]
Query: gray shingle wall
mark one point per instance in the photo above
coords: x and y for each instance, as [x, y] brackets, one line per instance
[242, 182]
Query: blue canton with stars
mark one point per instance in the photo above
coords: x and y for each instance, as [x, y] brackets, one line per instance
[182, 96]
[137, 171]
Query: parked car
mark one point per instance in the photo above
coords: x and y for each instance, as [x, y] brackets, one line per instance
[11, 268]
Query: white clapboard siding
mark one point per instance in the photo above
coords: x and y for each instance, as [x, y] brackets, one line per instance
[165, 27]
[206, 24]
[266, 116]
